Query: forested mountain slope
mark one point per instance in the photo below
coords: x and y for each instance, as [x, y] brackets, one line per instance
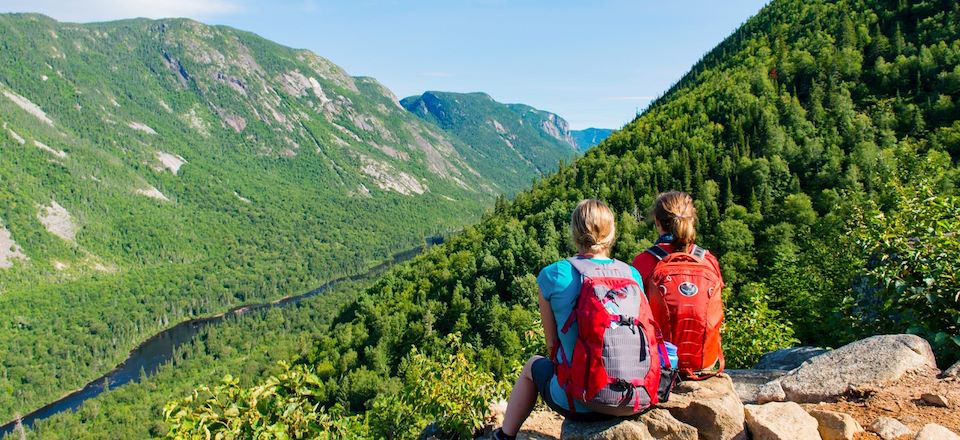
[152, 171]
[517, 140]
[821, 142]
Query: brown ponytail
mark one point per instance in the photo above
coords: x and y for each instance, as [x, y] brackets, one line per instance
[677, 216]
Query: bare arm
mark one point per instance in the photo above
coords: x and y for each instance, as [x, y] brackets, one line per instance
[549, 322]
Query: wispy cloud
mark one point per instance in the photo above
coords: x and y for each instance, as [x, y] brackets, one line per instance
[102, 10]
[436, 74]
[630, 98]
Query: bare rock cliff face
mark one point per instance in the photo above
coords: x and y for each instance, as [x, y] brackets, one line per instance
[558, 128]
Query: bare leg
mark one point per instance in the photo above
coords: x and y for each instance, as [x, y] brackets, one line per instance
[522, 399]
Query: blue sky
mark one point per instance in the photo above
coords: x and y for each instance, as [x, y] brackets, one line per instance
[595, 62]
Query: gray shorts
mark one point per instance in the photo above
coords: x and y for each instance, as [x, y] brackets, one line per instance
[543, 373]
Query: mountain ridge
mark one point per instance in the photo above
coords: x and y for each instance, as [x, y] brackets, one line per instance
[520, 136]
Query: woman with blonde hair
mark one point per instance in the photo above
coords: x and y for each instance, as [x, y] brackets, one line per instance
[594, 232]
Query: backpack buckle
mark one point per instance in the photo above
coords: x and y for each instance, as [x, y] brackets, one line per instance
[628, 321]
[620, 385]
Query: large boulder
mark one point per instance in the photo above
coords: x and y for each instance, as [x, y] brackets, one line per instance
[711, 406]
[616, 429]
[656, 424]
[747, 383]
[863, 364]
[933, 431]
[787, 358]
[834, 425]
[663, 426]
[780, 421]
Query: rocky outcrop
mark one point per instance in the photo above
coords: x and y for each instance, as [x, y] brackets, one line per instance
[58, 221]
[28, 106]
[780, 421]
[834, 425]
[656, 424]
[610, 430]
[558, 128]
[9, 249]
[771, 392]
[952, 372]
[748, 383]
[933, 431]
[663, 426]
[787, 358]
[711, 406]
[886, 374]
[857, 366]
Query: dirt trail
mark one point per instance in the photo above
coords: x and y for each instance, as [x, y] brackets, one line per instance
[901, 400]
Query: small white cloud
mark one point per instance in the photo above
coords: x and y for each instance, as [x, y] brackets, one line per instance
[437, 74]
[630, 98]
[103, 10]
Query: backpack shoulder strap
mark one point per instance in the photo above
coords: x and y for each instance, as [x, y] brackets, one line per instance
[657, 252]
[583, 265]
[698, 252]
[588, 268]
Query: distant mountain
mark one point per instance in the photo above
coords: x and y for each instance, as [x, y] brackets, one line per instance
[584, 139]
[515, 139]
[153, 171]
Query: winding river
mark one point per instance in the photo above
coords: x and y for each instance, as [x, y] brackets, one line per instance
[159, 349]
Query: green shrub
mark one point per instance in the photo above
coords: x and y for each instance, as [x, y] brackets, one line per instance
[445, 388]
[913, 275]
[751, 328]
[282, 407]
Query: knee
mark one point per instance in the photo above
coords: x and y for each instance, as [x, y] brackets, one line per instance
[528, 367]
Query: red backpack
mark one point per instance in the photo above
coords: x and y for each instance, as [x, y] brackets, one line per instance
[686, 301]
[615, 365]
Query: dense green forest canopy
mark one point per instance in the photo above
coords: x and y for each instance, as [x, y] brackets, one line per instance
[821, 142]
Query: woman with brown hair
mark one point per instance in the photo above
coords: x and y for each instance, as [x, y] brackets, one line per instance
[684, 283]
[675, 218]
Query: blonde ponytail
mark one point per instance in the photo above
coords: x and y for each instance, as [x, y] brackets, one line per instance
[677, 216]
[592, 227]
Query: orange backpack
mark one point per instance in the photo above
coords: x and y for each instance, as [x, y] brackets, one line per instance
[685, 299]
